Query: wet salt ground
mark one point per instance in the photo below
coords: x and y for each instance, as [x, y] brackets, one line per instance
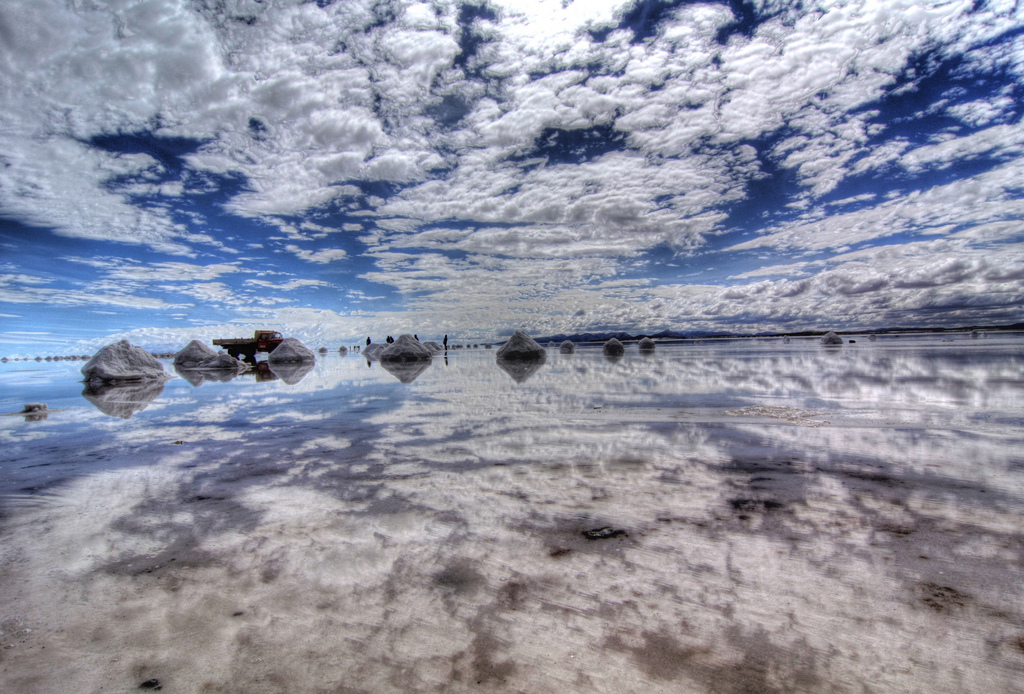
[731, 516]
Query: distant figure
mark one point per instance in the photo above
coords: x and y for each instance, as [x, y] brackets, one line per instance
[367, 341]
[416, 337]
[446, 342]
[390, 339]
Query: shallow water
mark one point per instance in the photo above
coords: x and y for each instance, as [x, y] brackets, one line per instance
[732, 516]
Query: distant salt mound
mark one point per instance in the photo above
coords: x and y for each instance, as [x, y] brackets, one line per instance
[551, 344]
[405, 348]
[198, 356]
[290, 350]
[614, 348]
[831, 339]
[520, 347]
[433, 347]
[123, 362]
[343, 350]
[567, 347]
[785, 339]
[647, 345]
[872, 337]
[194, 354]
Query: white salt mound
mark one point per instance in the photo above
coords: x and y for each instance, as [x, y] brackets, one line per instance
[520, 346]
[405, 348]
[194, 354]
[433, 347]
[567, 347]
[614, 348]
[290, 350]
[122, 362]
[647, 345]
[786, 339]
[872, 337]
[200, 357]
[831, 339]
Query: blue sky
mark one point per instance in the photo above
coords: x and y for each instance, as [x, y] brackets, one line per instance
[174, 169]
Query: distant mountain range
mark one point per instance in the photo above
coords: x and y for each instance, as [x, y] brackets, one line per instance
[675, 335]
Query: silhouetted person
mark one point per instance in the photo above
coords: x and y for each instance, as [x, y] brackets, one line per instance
[416, 337]
[367, 341]
[446, 342]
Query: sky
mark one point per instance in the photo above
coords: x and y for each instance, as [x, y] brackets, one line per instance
[179, 169]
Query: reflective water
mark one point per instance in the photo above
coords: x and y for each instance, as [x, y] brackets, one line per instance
[733, 516]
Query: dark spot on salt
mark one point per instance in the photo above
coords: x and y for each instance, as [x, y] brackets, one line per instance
[941, 598]
[151, 684]
[754, 505]
[559, 551]
[237, 614]
[602, 533]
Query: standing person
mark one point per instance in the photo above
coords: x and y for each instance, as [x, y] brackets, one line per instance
[367, 341]
[446, 343]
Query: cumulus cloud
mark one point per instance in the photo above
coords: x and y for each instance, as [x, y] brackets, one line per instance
[525, 159]
[327, 255]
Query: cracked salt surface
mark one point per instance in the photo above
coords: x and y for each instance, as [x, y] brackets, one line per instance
[470, 532]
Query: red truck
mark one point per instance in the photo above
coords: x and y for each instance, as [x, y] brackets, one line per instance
[245, 348]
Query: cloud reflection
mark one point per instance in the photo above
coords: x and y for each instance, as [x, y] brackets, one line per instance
[438, 541]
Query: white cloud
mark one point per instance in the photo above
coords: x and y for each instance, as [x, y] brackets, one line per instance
[327, 255]
[301, 102]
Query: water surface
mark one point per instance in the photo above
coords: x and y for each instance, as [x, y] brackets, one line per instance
[731, 516]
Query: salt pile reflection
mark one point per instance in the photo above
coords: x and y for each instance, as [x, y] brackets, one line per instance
[767, 518]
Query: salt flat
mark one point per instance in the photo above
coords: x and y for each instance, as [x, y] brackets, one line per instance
[733, 516]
